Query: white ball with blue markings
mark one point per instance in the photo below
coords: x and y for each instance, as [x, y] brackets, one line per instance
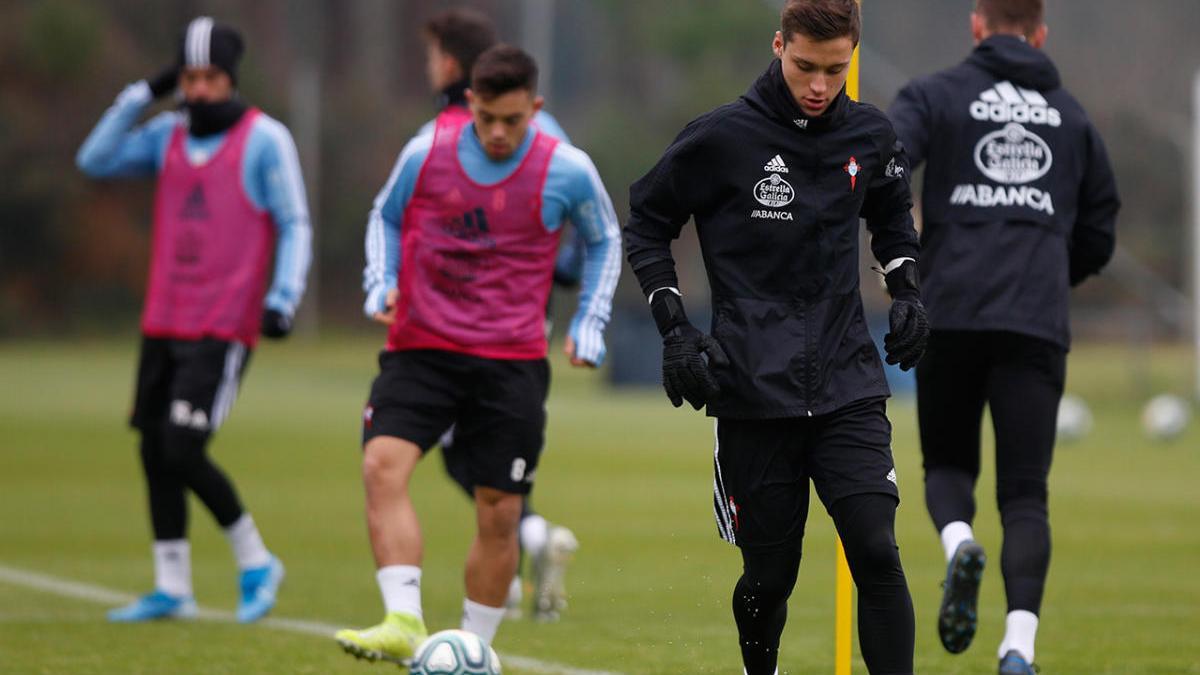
[455, 652]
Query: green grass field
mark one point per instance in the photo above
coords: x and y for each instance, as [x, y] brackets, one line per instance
[632, 477]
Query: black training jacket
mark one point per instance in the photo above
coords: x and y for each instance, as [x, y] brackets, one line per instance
[776, 197]
[1019, 200]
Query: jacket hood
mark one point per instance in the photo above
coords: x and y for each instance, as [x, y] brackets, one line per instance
[1010, 58]
[771, 95]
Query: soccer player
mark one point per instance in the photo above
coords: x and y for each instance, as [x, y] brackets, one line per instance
[454, 39]
[777, 182]
[230, 195]
[462, 263]
[1019, 205]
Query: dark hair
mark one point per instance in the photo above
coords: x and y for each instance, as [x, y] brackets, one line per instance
[463, 34]
[1023, 15]
[502, 69]
[821, 20]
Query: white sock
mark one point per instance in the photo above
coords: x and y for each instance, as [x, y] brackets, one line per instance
[534, 533]
[401, 588]
[481, 620]
[247, 543]
[515, 592]
[173, 567]
[954, 534]
[1020, 630]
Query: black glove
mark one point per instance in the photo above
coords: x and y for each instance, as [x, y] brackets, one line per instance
[688, 354]
[276, 324]
[909, 326]
[566, 281]
[165, 82]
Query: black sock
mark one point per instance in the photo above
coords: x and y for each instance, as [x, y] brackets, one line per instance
[760, 605]
[886, 627]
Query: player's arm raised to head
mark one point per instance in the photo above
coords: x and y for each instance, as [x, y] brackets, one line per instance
[382, 242]
[591, 211]
[662, 201]
[887, 206]
[277, 185]
[1093, 237]
[116, 148]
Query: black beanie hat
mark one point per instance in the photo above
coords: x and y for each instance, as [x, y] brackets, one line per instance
[207, 43]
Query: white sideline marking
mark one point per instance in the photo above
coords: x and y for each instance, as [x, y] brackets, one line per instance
[107, 596]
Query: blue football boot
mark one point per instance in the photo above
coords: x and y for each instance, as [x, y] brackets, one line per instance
[152, 606]
[259, 587]
[1015, 664]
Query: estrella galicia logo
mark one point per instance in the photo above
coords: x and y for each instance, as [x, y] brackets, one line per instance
[774, 191]
[1013, 155]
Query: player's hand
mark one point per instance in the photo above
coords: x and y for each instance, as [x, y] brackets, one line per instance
[905, 344]
[388, 316]
[909, 326]
[688, 357]
[569, 350]
[164, 82]
[276, 324]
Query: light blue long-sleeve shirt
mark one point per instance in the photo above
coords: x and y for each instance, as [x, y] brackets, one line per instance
[572, 192]
[119, 148]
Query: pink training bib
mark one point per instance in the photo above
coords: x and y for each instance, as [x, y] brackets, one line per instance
[477, 261]
[211, 246]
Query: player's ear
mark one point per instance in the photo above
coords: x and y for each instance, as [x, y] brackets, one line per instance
[1038, 39]
[978, 27]
[470, 96]
[538, 102]
[777, 45]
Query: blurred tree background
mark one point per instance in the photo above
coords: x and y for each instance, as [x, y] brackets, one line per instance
[623, 78]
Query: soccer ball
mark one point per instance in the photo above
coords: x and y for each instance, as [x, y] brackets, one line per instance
[1074, 418]
[1165, 416]
[454, 652]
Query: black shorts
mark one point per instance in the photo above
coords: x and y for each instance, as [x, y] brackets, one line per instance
[762, 468]
[1018, 377]
[497, 407]
[190, 384]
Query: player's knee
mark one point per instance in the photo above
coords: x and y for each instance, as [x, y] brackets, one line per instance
[498, 513]
[182, 449]
[873, 554]
[388, 461]
[1021, 494]
[152, 453]
[866, 524]
[768, 576]
[1027, 507]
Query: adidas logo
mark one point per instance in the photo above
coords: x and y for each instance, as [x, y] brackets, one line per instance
[892, 475]
[195, 207]
[1005, 103]
[776, 165]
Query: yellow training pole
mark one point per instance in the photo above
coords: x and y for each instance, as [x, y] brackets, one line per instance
[844, 585]
[845, 592]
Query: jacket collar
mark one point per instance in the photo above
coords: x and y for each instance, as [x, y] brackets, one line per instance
[771, 95]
